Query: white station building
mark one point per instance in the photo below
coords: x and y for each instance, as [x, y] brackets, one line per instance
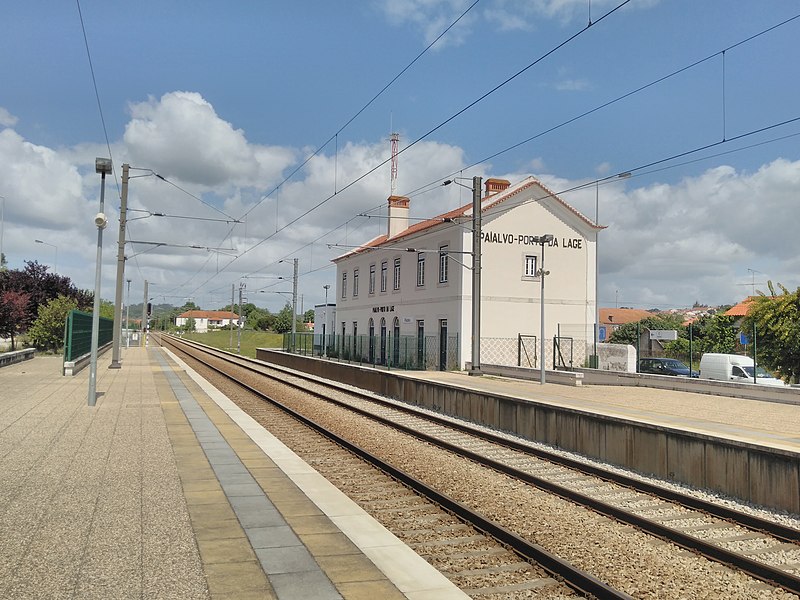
[415, 282]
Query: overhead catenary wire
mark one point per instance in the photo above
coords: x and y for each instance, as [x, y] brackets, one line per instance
[335, 136]
[641, 168]
[613, 101]
[427, 134]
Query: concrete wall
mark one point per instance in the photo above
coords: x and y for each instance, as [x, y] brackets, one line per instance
[764, 476]
[749, 391]
[73, 367]
[9, 358]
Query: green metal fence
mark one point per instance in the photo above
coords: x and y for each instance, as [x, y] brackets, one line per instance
[78, 334]
[410, 352]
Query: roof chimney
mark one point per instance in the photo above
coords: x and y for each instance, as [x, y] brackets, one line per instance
[494, 185]
[398, 215]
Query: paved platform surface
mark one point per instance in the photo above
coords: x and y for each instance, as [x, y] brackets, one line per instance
[165, 489]
[751, 421]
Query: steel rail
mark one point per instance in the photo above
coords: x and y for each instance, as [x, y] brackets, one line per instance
[562, 570]
[750, 521]
[752, 567]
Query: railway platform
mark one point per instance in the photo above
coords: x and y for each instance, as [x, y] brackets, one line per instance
[165, 489]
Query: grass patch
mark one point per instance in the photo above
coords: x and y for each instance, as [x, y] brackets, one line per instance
[250, 340]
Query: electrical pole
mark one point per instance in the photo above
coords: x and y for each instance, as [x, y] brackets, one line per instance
[476, 276]
[123, 208]
[127, 316]
[239, 332]
[233, 292]
[294, 301]
[143, 342]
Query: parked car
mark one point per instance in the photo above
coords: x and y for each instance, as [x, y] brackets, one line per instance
[665, 366]
[734, 367]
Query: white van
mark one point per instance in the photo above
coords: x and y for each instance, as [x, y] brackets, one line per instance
[734, 367]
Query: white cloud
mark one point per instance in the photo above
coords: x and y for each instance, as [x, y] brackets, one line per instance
[695, 240]
[572, 85]
[181, 136]
[432, 16]
[666, 244]
[41, 188]
[6, 118]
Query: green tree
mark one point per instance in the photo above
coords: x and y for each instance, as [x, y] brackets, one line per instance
[776, 319]
[308, 316]
[626, 334]
[283, 320]
[715, 333]
[47, 331]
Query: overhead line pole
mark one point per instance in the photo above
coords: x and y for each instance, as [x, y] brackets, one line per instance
[123, 208]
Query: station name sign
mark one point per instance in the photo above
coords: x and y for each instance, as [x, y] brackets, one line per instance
[492, 237]
[383, 309]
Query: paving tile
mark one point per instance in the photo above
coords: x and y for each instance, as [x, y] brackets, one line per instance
[232, 578]
[313, 524]
[312, 584]
[227, 550]
[272, 537]
[244, 489]
[217, 511]
[295, 559]
[292, 503]
[213, 496]
[348, 568]
[325, 544]
[218, 530]
[370, 590]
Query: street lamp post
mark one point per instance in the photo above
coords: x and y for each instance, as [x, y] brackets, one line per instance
[55, 265]
[325, 322]
[542, 240]
[102, 166]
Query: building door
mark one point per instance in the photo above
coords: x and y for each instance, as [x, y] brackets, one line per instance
[396, 342]
[420, 344]
[442, 344]
[383, 341]
[371, 342]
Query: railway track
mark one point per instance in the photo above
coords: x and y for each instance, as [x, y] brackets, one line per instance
[763, 549]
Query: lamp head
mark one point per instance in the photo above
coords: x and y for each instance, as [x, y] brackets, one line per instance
[100, 220]
[102, 165]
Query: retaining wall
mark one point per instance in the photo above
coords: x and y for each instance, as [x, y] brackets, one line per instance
[9, 358]
[765, 476]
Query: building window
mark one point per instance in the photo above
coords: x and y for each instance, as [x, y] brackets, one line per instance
[396, 273]
[443, 264]
[344, 284]
[530, 266]
[355, 283]
[420, 269]
[372, 279]
[384, 275]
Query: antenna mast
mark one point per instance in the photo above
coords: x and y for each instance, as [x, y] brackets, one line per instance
[394, 138]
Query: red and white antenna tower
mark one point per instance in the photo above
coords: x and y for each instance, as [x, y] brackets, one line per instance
[394, 138]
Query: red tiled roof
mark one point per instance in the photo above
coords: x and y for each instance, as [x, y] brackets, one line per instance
[620, 316]
[462, 211]
[740, 310]
[208, 314]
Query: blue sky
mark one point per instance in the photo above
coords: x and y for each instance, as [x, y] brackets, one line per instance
[225, 100]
